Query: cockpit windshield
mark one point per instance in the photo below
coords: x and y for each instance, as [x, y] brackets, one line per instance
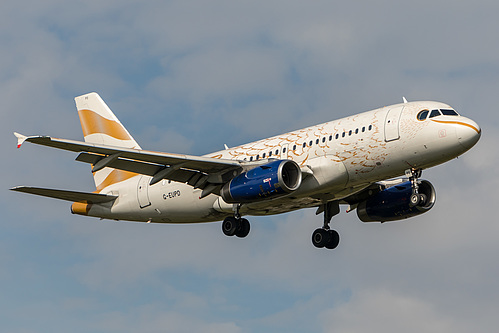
[435, 113]
[449, 112]
[422, 115]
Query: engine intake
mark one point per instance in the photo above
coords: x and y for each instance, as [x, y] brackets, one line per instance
[393, 203]
[270, 180]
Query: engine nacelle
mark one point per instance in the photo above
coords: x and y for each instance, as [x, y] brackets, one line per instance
[270, 180]
[393, 203]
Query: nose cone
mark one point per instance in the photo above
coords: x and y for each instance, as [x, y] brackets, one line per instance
[468, 133]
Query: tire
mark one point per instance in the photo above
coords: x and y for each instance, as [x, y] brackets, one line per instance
[244, 228]
[414, 200]
[333, 241]
[422, 200]
[320, 238]
[230, 226]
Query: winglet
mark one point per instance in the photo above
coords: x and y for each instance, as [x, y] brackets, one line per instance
[20, 139]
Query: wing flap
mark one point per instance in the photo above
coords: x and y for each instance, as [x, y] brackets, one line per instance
[199, 163]
[74, 196]
[150, 169]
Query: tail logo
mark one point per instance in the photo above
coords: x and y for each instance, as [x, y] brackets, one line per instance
[93, 123]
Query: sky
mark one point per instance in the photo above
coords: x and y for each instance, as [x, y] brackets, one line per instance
[189, 76]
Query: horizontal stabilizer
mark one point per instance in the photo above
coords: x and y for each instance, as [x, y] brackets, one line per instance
[20, 139]
[66, 195]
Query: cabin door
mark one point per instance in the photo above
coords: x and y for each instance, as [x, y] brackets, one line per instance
[392, 123]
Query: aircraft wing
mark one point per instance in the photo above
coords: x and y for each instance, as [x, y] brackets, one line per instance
[197, 171]
[66, 195]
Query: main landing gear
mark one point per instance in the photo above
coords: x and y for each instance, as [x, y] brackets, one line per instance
[416, 197]
[325, 237]
[236, 225]
[233, 226]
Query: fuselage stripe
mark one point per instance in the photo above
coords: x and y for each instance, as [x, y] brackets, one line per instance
[457, 123]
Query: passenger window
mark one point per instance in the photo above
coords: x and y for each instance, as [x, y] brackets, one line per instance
[294, 147]
[363, 129]
[434, 113]
[330, 137]
[304, 145]
[448, 112]
[343, 135]
[422, 115]
[310, 143]
[270, 154]
[336, 136]
[317, 141]
[277, 151]
[257, 157]
[251, 158]
[370, 127]
[263, 156]
[350, 132]
[356, 131]
[323, 139]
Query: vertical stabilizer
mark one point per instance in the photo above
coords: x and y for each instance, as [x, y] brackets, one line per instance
[101, 126]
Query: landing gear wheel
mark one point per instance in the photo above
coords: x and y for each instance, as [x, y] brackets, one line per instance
[320, 238]
[422, 199]
[244, 228]
[230, 226]
[333, 241]
[325, 238]
[415, 199]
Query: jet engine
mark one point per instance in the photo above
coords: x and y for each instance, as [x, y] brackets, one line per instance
[270, 180]
[393, 203]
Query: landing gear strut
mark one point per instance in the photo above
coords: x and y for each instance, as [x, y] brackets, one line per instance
[236, 225]
[416, 197]
[324, 237]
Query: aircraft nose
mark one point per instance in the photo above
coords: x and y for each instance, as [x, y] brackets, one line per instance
[468, 133]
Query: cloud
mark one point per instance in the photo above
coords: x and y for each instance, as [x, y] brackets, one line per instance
[382, 310]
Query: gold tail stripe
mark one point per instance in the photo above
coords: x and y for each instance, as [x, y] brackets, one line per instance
[114, 177]
[93, 123]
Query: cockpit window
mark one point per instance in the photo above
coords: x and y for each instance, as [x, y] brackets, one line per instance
[422, 115]
[448, 112]
[434, 113]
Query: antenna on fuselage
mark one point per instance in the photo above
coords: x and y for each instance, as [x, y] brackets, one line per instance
[403, 98]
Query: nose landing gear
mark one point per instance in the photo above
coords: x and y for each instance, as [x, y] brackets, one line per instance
[416, 197]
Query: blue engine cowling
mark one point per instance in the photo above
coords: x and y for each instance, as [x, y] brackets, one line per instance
[266, 181]
[393, 203]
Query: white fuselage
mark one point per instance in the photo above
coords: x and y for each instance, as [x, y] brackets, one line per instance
[338, 159]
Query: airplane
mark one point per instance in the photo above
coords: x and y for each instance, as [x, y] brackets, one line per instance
[371, 161]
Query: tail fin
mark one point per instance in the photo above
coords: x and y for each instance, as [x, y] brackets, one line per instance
[99, 123]
[101, 126]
